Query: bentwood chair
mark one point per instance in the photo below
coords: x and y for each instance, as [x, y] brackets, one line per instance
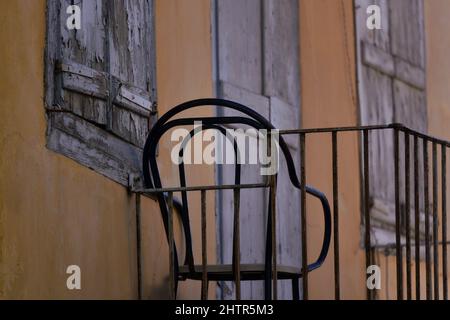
[152, 179]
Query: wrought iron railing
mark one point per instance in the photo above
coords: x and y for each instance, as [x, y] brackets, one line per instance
[409, 193]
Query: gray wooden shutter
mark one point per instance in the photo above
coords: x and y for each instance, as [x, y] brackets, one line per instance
[130, 63]
[82, 66]
[391, 70]
[105, 71]
[100, 84]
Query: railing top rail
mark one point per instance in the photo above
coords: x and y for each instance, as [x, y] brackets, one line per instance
[397, 126]
[335, 129]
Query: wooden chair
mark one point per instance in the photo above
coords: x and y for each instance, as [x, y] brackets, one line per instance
[246, 272]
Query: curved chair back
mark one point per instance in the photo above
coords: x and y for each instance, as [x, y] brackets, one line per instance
[152, 178]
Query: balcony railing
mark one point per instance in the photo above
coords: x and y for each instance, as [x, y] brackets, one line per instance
[417, 213]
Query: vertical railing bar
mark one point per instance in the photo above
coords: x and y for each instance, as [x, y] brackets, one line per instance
[303, 217]
[444, 219]
[204, 247]
[273, 210]
[374, 261]
[337, 294]
[171, 248]
[427, 220]
[407, 215]
[435, 224]
[237, 244]
[138, 245]
[367, 241]
[273, 195]
[417, 215]
[399, 258]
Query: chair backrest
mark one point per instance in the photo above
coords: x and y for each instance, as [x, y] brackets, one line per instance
[152, 178]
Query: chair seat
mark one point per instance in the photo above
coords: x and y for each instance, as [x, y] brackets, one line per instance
[224, 272]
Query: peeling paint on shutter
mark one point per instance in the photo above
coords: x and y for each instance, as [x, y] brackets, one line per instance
[84, 49]
[100, 77]
[105, 71]
[130, 62]
[77, 78]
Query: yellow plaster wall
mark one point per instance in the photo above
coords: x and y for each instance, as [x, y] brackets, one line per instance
[437, 15]
[54, 212]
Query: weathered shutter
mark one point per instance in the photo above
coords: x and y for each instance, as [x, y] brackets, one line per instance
[130, 40]
[100, 79]
[391, 70]
[105, 72]
[82, 67]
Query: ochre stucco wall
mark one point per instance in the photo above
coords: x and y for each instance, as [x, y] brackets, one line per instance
[328, 93]
[437, 14]
[437, 17]
[54, 212]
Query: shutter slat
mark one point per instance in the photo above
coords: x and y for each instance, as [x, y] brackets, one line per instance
[134, 99]
[81, 79]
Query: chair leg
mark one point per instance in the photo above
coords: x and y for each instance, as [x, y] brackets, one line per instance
[267, 287]
[176, 288]
[295, 289]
